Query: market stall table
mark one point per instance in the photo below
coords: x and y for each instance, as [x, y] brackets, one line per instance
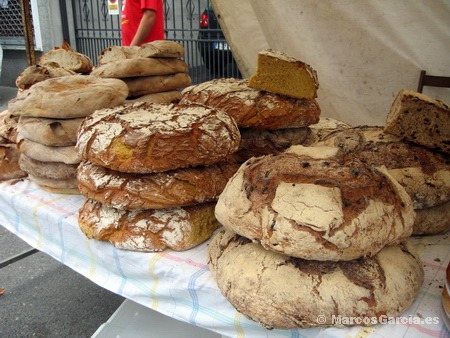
[179, 284]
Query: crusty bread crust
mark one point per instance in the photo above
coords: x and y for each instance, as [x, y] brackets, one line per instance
[181, 187]
[37, 73]
[172, 96]
[147, 137]
[421, 119]
[9, 162]
[251, 108]
[51, 170]
[157, 83]
[282, 292]
[148, 230]
[67, 58]
[307, 203]
[43, 153]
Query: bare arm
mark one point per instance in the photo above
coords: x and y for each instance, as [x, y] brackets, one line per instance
[145, 27]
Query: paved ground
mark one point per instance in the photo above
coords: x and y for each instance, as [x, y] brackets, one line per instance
[44, 298]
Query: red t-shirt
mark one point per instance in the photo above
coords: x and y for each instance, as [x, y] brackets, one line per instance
[132, 12]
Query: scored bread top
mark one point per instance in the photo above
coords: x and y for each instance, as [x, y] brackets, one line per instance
[147, 137]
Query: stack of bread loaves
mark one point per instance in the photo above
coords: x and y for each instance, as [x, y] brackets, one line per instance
[309, 237]
[50, 113]
[152, 173]
[269, 121]
[154, 72]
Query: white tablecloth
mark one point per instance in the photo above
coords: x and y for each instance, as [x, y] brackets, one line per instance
[179, 284]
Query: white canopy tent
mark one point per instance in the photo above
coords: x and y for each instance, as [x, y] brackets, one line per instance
[363, 51]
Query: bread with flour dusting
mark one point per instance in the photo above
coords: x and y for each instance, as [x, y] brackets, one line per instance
[148, 230]
[179, 187]
[147, 137]
[282, 292]
[307, 203]
[252, 108]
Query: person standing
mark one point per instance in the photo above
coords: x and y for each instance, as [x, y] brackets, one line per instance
[142, 21]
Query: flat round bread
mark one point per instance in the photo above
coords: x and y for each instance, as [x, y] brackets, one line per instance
[171, 96]
[306, 203]
[51, 170]
[157, 83]
[424, 173]
[140, 67]
[50, 132]
[43, 153]
[282, 292]
[58, 186]
[69, 97]
[148, 230]
[148, 137]
[181, 187]
[252, 108]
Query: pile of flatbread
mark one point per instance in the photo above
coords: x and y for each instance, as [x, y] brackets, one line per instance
[153, 72]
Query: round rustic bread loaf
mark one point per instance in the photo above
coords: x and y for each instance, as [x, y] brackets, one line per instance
[324, 127]
[8, 127]
[148, 230]
[69, 97]
[259, 142]
[181, 187]
[171, 96]
[157, 83]
[9, 162]
[306, 203]
[424, 173]
[252, 108]
[51, 170]
[67, 58]
[50, 132]
[147, 137]
[282, 292]
[43, 153]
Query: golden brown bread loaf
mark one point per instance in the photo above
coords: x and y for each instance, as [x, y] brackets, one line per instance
[69, 97]
[306, 202]
[282, 292]
[49, 132]
[421, 119]
[277, 72]
[148, 137]
[180, 187]
[251, 108]
[148, 230]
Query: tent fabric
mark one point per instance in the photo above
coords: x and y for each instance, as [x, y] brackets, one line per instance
[363, 51]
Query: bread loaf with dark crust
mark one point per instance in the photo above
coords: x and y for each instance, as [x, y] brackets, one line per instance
[181, 187]
[307, 203]
[251, 108]
[148, 137]
[69, 97]
[421, 119]
[148, 230]
[424, 173]
[51, 170]
[50, 132]
[140, 67]
[259, 142]
[433, 220]
[281, 292]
